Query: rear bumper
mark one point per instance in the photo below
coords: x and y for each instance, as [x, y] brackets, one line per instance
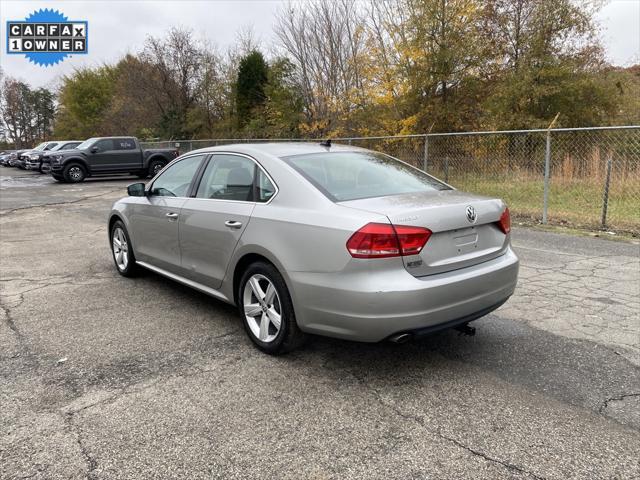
[370, 306]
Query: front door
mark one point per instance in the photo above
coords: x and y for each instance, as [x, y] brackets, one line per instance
[156, 219]
[102, 156]
[212, 223]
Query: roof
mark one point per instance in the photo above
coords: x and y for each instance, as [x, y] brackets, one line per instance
[279, 149]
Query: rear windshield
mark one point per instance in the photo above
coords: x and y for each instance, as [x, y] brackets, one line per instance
[343, 176]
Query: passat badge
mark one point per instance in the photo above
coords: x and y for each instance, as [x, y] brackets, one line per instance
[471, 214]
[46, 37]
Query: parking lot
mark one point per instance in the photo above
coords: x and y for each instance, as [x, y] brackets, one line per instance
[107, 377]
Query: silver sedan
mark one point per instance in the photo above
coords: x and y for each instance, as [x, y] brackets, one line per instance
[318, 239]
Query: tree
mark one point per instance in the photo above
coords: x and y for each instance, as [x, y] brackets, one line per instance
[84, 99]
[132, 109]
[349, 67]
[326, 43]
[250, 86]
[43, 112]
[280, 115]
[26, 115]
[177, 69]
[553, 63]
[433, 59]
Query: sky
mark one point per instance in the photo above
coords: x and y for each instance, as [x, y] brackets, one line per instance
[118, 26]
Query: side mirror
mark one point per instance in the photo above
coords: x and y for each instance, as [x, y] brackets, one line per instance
[94, 149]
[136, 190]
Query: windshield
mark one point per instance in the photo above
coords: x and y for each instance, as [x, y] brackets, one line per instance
[343, 176]
[86, 144]
[40, 147]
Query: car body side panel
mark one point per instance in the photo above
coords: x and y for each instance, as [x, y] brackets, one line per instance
[206, 243]
[155, 235]
[299, 240]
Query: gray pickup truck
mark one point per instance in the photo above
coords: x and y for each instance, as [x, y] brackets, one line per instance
[107, 156]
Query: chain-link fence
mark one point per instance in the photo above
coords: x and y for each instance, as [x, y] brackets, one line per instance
[585, 178]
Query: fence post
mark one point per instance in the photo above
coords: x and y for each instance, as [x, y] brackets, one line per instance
[605, 196]
[425, 157]
[547, 169]
[446, 169]
[547, 172]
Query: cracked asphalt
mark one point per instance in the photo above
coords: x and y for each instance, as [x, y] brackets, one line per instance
[104, 377]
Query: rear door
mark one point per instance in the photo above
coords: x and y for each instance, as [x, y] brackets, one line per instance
[212, 222]
[129, 155]
[155, 220]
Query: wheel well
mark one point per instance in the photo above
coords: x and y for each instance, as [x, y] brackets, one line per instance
[241, 266]
[112, 220]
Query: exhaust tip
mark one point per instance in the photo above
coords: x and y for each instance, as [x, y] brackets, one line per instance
[400, 337]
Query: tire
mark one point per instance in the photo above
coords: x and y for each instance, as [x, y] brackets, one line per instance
[274, 341]
[74, 173]
[154, 167]
[123, 258]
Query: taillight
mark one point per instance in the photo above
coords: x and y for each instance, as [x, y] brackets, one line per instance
[505, 221]
[381, 240]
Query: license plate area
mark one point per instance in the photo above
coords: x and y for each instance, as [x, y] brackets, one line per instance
[465, 240]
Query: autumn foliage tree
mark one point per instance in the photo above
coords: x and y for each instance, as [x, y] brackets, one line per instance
[348, 67]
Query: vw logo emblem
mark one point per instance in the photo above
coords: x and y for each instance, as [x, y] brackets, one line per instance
[471, 214]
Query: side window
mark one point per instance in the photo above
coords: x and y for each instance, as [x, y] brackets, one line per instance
[175, 180]
[264, 188]
[69, 146]
[228, 177]
[124, 144]
[105, 145]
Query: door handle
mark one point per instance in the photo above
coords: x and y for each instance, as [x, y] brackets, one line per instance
[172, 216]
[233, 224]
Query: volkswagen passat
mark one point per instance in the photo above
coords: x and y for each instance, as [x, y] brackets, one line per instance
[318, 239]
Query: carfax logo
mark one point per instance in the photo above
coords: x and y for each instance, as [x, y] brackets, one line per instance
[46, 37]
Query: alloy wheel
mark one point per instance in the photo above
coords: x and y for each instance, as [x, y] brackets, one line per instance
[75, 173]
[120, 248]
[262, 308]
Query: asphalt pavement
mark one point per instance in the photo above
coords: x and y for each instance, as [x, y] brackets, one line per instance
[106, 377]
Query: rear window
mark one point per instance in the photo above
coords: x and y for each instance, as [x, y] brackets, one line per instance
[343, 176]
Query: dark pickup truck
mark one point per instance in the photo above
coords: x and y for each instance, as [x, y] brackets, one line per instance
[107, 156]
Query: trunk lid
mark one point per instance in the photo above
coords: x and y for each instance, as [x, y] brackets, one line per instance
[457, 241]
